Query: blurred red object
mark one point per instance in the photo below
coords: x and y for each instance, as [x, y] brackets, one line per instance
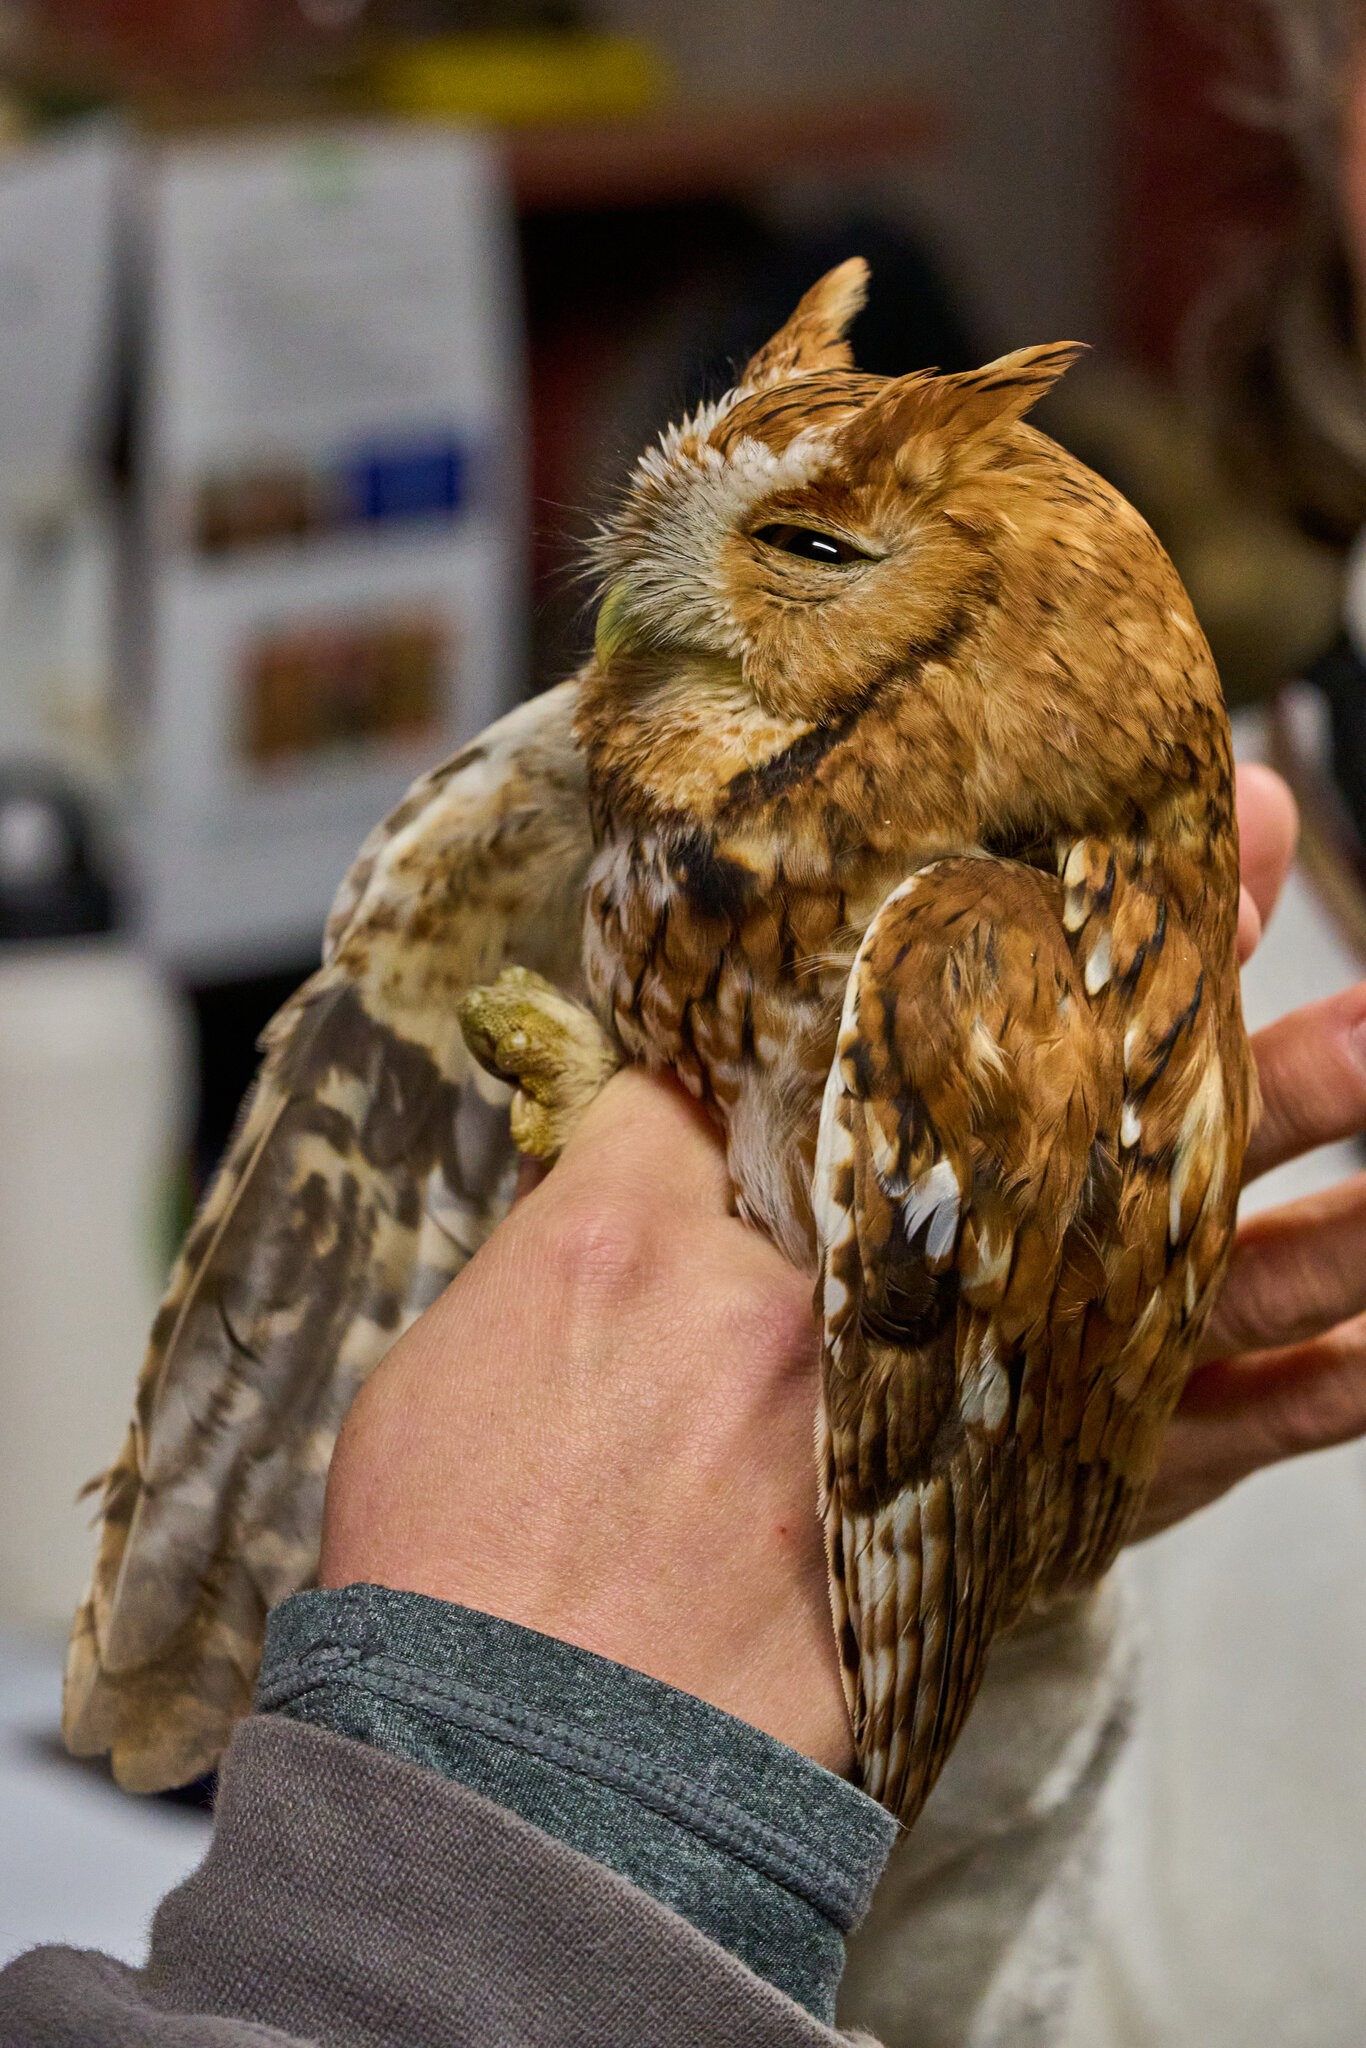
[208, 42]
[199, 46]
[1198, 184]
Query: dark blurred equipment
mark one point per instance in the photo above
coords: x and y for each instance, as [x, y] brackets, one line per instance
[912, 319]
[1318, 742]
[1201, 185]
[229, 1017]
[51, 884]
[1340, 675]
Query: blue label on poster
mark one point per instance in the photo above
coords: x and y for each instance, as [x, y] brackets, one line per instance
[427, 479]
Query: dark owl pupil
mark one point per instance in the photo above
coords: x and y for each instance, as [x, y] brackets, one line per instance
[809, 544]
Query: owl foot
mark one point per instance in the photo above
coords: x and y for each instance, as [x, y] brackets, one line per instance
[551, 1048]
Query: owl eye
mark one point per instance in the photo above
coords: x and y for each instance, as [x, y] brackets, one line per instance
[811, 545]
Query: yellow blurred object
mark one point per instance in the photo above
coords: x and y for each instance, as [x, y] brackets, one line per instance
[518, 80]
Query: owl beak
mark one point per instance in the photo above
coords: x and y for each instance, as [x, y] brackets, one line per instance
[613, 630]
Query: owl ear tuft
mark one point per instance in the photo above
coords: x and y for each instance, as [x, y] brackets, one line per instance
[1006, 389]
[813, 338]
[960, 406]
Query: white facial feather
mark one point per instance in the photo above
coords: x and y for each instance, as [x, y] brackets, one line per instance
[661, 555]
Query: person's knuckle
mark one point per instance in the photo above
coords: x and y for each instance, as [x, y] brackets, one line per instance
[1251, 1313]
[595, 1247]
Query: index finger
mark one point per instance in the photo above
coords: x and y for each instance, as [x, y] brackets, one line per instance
[1268, 827]
[1312, 1070]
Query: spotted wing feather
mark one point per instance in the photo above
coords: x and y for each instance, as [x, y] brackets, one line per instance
[1008, 1311]
[369, 1164]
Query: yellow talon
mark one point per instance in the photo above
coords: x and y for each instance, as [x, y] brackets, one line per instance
[554, 1051]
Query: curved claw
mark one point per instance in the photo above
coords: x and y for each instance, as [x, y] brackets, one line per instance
[553, 1050]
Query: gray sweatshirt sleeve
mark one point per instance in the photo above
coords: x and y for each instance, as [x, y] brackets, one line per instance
[352, 1900]
[526, 1845]
[761, 1849]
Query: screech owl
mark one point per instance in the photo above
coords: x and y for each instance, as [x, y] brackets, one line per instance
[894, 815]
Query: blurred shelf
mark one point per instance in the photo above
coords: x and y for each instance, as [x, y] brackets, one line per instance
[686, 152]
[710, 150]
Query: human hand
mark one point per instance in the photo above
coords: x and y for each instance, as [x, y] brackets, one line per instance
[1283, 1368]
[603, 1430]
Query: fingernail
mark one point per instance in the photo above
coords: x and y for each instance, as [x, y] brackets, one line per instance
[1356, 1043]
[1249, 925]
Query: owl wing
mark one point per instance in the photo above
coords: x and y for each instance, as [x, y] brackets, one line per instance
[369, 1164]
[1024, 1211]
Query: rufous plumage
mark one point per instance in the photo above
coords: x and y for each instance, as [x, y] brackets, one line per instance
[894, 815]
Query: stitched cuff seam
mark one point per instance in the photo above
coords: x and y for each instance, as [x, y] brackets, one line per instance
[770, 1851]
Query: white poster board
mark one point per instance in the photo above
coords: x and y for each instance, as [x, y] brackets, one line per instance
[57, 221]
[59, 205]
[330, 468]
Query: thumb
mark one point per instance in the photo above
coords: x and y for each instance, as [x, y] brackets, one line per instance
[1268, 826]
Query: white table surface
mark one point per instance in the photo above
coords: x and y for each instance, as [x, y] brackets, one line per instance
[80, 1861]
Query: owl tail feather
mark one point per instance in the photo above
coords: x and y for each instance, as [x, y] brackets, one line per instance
[918, 1586]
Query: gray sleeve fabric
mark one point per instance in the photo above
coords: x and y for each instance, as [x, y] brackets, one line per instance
[759, 1848]
[351, 1899]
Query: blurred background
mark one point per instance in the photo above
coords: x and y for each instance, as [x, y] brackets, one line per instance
[326, 327]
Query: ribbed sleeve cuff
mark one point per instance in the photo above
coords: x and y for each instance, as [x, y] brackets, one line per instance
[756, 1845]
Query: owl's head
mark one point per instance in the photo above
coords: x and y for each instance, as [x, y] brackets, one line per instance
[819, 545]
